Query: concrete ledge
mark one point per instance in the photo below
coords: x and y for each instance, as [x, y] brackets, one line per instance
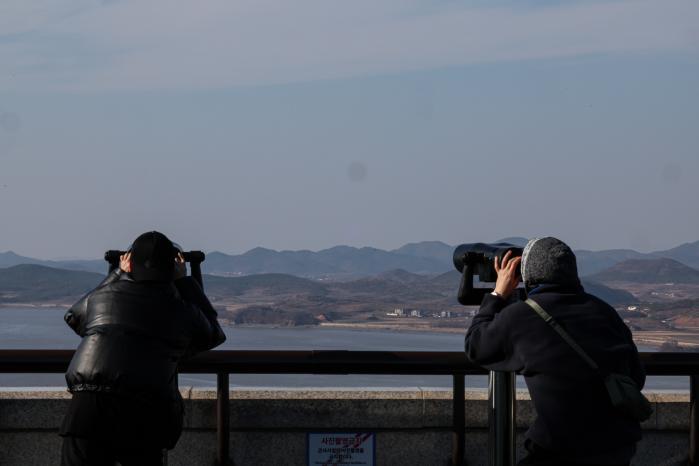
[269, 425]
[321, 408]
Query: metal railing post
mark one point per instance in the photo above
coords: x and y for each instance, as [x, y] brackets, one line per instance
[501, 418]
[222, 419]
[459, 420]
[693, 420]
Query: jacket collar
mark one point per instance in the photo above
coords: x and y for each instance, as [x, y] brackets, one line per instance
[555, 288]
[126, 277]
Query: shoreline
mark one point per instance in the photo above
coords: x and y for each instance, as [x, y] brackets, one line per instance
[685, 340]
[387, 327]
[352, 326]
[641, 340]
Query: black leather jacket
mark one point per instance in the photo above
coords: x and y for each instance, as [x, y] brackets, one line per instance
[135, 333]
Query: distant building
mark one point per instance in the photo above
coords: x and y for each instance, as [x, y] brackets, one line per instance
[415, 313]
[445, 314]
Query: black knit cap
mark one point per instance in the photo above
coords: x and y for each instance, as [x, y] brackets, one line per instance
[153, 257]
[549, 261]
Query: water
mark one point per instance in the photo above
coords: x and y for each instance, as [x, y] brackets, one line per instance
[43, 328]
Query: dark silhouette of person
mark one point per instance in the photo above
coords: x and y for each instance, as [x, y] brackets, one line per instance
[576, 422]
[135, 327]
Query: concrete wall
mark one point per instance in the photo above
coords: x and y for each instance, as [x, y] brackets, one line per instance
[269, 426]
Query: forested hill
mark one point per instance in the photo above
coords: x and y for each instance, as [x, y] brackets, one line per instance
[36, 284]
[648, 271]
[30, 283]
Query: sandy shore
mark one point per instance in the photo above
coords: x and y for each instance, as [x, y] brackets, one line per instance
[388, 326]
[688, 339]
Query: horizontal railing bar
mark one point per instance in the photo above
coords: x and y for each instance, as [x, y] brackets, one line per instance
[323, 362]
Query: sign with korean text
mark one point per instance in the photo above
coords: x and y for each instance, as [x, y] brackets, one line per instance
[341, 449]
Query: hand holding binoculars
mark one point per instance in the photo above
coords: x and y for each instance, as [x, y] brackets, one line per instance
[478, 259]
[194, 258]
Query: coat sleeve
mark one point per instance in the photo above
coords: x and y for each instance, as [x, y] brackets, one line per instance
[488, 339]
[638, 373]
[76, 315]
[206, 333]
[635, 368]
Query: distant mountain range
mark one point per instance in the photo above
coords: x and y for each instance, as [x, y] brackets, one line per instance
[590, 262]
[339, 261]
[31, 283]
[347, 263]
[355, 286]
[9, 259]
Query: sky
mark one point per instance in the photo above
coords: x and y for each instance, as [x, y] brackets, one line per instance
[313, 123]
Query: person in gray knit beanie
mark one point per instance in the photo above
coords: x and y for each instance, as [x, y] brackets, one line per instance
[549, 261]
[576, 422]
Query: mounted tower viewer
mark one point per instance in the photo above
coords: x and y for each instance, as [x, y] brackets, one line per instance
[136, 326]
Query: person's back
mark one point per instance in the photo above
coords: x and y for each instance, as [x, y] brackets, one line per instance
[135, 328]
[576, 422]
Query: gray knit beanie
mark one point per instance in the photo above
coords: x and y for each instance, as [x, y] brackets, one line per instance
[549, 261]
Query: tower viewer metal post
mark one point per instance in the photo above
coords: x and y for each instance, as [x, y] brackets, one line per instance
[222, 420]
[501, 418]
[459, 420]
[693, 420]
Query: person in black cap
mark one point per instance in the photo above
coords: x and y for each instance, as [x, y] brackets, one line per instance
[135, 326]
[576, 423]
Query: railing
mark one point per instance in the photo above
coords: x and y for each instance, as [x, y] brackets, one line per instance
[224, 363]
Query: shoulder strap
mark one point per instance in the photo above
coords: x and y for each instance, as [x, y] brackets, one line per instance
[567, 338]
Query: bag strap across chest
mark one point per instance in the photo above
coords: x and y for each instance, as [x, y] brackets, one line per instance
[548, 318]
[623, 392]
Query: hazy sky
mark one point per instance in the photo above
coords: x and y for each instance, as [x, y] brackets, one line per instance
[307, 124]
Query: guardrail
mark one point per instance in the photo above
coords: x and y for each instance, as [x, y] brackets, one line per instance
[225, 363]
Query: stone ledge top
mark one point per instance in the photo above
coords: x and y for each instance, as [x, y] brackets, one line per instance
[339, 393]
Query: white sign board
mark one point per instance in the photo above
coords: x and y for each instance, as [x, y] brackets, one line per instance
[341, 449]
